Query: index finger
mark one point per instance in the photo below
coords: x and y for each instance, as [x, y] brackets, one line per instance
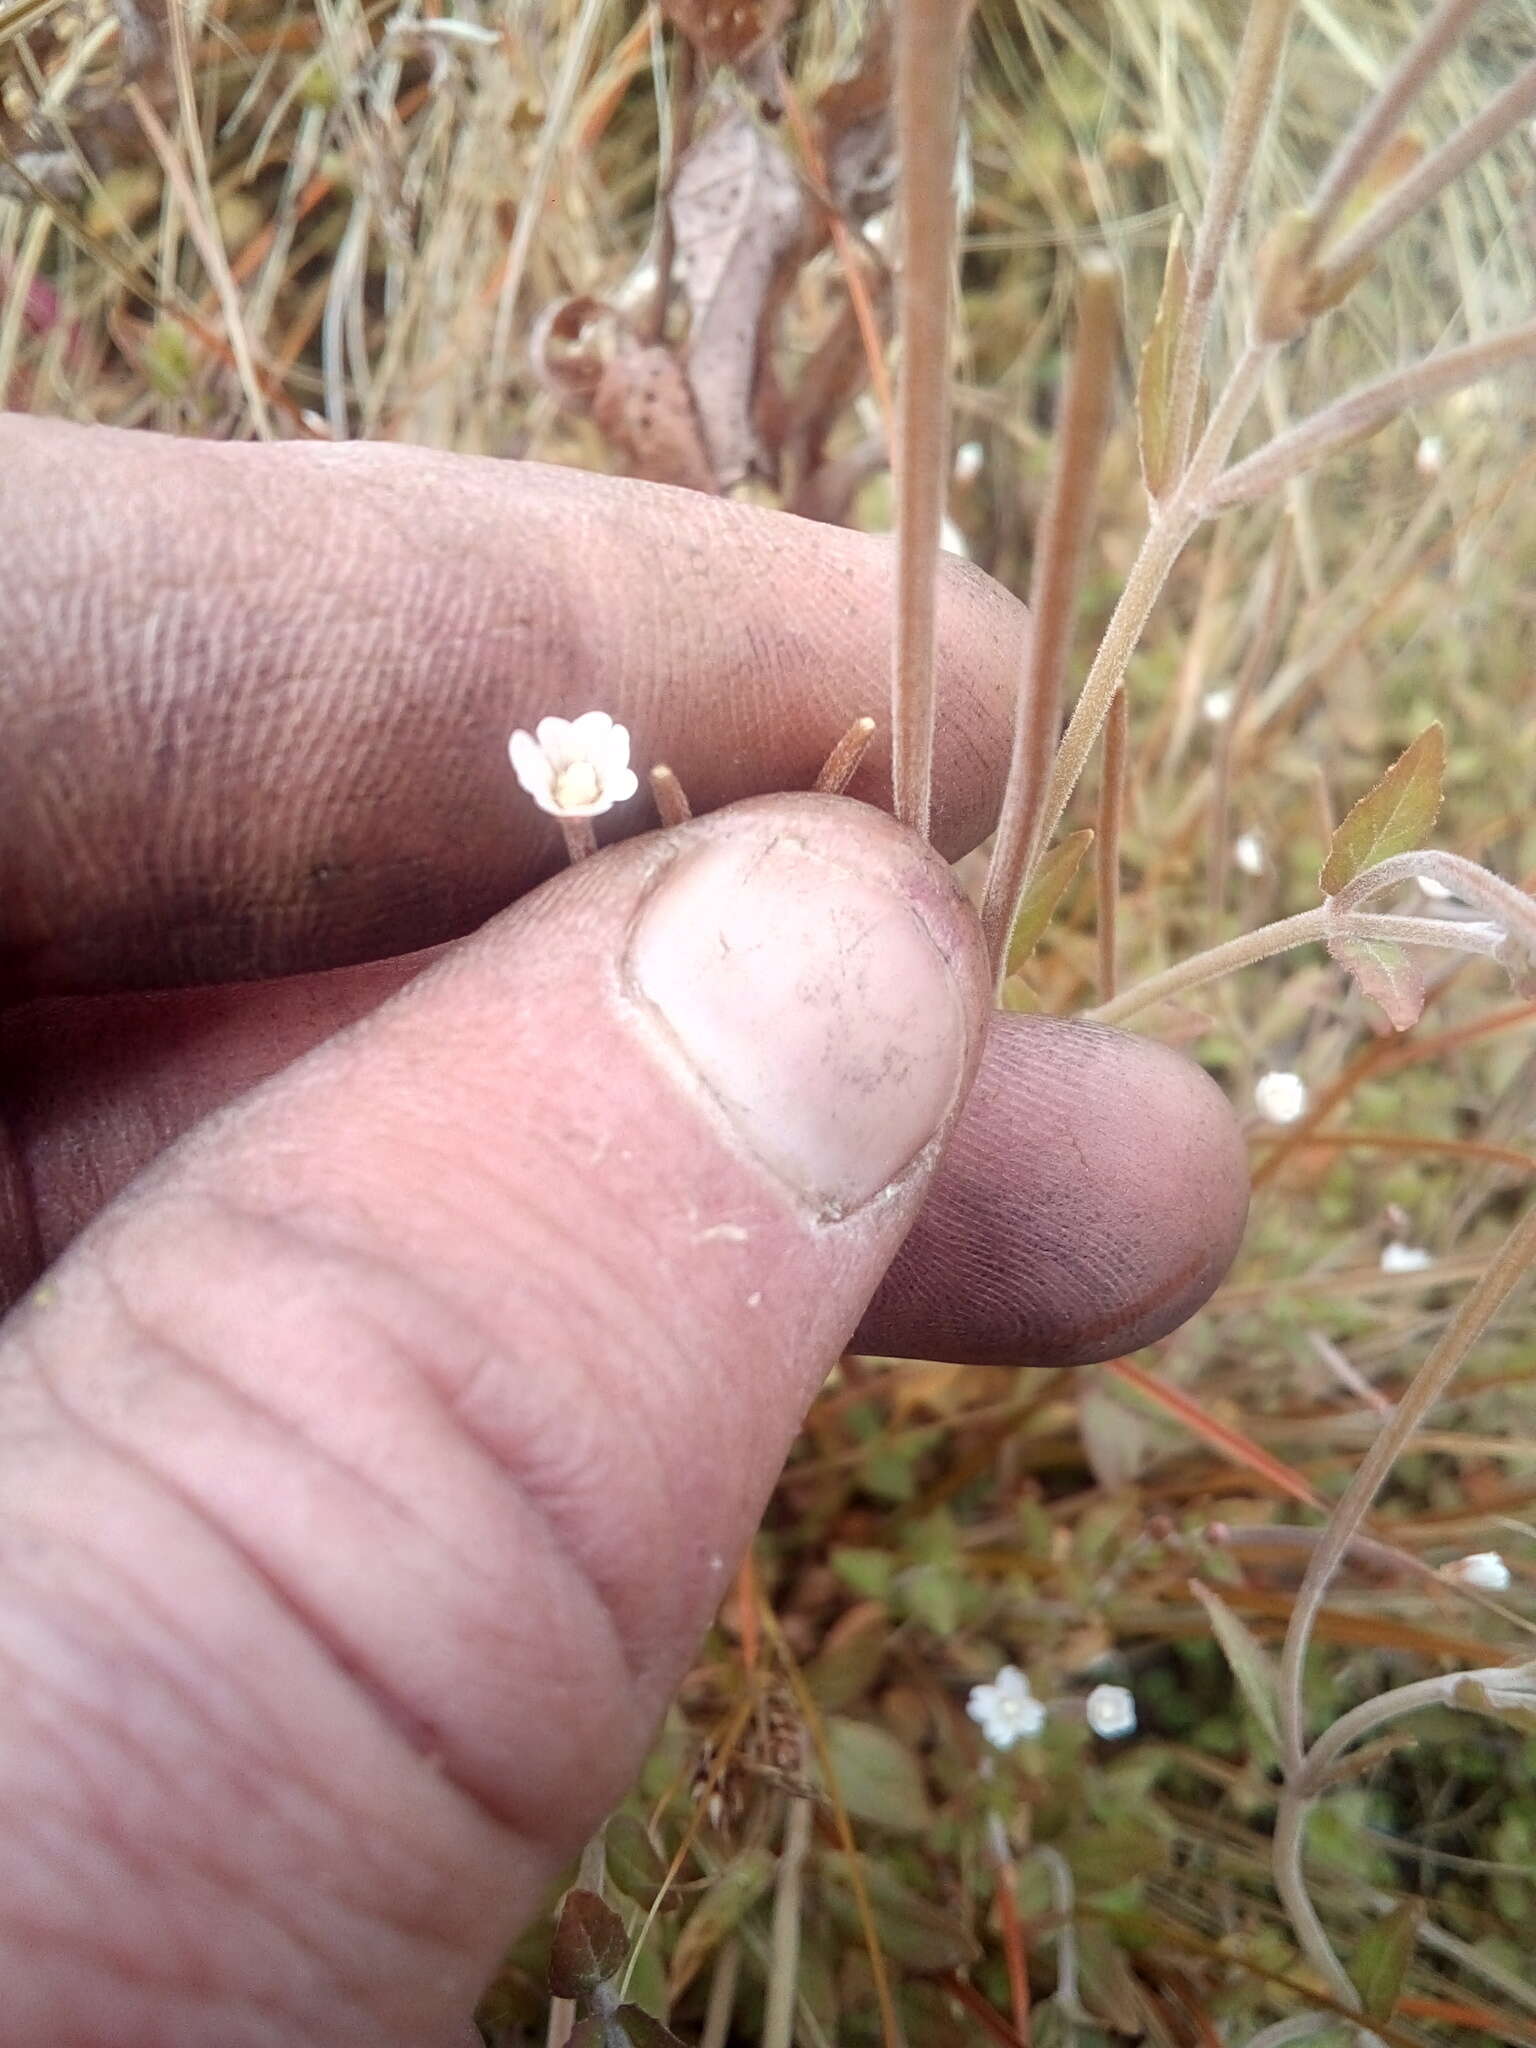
[256, 700]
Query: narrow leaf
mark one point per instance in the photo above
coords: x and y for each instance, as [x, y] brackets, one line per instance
[588, 1947]
[738, 1887]
[1153, 381]
[635, 1866]
[1250, 1664]
[1394, 817]
[1381, 1958]
[1052, 879]
[1383, 972]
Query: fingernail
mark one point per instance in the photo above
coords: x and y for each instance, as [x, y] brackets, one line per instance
[814, 1002]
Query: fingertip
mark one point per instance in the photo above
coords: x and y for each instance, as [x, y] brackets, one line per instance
[1092, 1198]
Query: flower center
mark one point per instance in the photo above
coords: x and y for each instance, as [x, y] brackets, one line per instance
[576, 784]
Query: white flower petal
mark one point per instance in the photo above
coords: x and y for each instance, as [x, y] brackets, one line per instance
[1111, 1712]
[1280, 1098]
[1405, 1258]
[621, 785]
[531, 766]
[1484, 1569]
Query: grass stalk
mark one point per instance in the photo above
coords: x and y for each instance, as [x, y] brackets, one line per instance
[783, 1985]
[928, 35]
[1060, 549]
[1106, 845]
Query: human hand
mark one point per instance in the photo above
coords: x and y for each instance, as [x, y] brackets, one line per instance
[369, 1469]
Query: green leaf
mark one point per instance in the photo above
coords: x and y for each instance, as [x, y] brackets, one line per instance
[877, 1776]
[1393, 817]
[634, 1865]
[588, 1948]
[1381, 1958]
[734, 1892]
[913, 1931]
[1052, 879]
[849, 1660]
[644, 2030]
[1155, 376]
[1384, 974]
[867, 1572]
[1250, 1664]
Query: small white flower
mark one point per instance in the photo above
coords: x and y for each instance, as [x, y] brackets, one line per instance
[1248, 852]
[1217, 705]
[1111, 1712]
[1435, 890]
[1484, 1569]
[1006, 1711]
[970, 457]
[1429, 456]
[1280, 1098]
[575, 767]
[952, 540]
[1398, 1257]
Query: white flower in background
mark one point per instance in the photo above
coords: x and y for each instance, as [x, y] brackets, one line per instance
[1397, 1257]
[952, 540]
[1435, 890]
[969, 459]
[1217, 705]
[1280, 1098]
[1006, 1711]
[1484, 1569]
[1111, 1712]
[1429, 456]
[575, 767]
[1248, 852]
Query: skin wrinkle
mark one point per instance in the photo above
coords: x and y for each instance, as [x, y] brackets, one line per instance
[334, 708]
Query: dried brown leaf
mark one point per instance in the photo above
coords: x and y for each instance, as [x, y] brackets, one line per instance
[645, 408]
[737, 214]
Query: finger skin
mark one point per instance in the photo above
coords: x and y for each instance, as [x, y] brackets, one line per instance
[368, 1473]
[1093, 1195]
[257, 699]
[1092, 1198]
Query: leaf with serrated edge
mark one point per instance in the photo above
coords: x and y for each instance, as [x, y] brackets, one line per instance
[1243, 1651]
[588, 1948]
[1383, 972]
[1157, 366]
[1381, 1958]
[1052, 879]
[1394, 817]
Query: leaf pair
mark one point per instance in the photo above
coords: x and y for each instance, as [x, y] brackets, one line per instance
[587, 1953]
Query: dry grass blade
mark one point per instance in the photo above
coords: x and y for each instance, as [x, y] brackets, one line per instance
[928, 41]
[1060, 549]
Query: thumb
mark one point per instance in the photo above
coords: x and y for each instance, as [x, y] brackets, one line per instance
[383, 1453]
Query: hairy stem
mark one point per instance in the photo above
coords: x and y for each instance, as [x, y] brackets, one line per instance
[1429, 178]
[1358, 152]
[1258, 65]
[1060, 547]
[927, 92]
[1363, 412]
[1503, 1274]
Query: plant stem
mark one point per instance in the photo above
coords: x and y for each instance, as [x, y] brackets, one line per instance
[1392, 1706]
[1291, 1883]
[1106, 845]
[1363, 412]
[1511, 908]
[1377, 125]
[927, 91]
[1060, 547]
[722, 1995]
[783, 1986]
[1504, 1272]
[841, 765]
[580, 838]
[1253, 84]
[1428, 178]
